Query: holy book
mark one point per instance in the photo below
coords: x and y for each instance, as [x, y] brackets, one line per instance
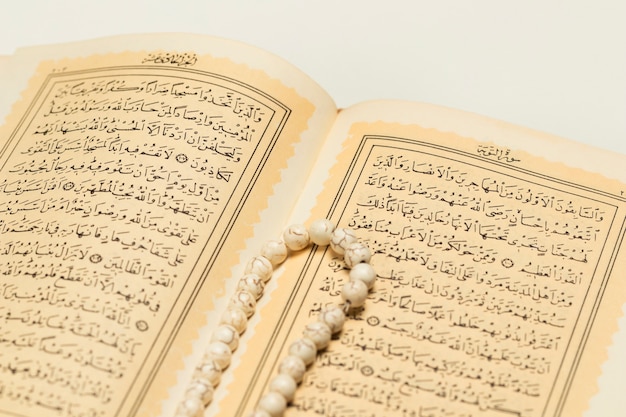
[138, 174]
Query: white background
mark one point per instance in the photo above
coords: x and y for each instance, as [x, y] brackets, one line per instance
[555, 66]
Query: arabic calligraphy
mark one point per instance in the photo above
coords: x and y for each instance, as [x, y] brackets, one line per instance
[173, 58]
[480, 275]
[109, 195]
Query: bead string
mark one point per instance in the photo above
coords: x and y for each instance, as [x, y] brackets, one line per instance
[316, 335]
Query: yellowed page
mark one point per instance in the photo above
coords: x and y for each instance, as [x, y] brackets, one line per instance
[500, 271]
[132, 173]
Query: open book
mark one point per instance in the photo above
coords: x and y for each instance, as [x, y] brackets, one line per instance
[139, 174]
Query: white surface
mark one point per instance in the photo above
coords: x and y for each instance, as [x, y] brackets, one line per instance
[556, 66]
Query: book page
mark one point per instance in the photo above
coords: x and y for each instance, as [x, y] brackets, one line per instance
[129, 183]
[500, 271]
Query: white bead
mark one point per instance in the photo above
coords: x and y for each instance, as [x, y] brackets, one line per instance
[201, 390]
[292, 366]
[209, 370]
[356, 253]
[199, 379]
[285, 385]
[341, 239]
[363, 272]
[320, 232]
[274, 403]
[244, 301]
[192, 406]
[355, 293]
[275, 251]
[305, 349]
[235, 317]
[319, 333]
[296, 237]
[226, 334]
[253, 284]
[333, 317]
[220, 353]
[260, 266]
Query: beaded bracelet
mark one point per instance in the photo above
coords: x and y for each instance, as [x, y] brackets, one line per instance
[316, 336]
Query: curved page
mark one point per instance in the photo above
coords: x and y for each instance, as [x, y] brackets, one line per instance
[500, 269]
[132, 173]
